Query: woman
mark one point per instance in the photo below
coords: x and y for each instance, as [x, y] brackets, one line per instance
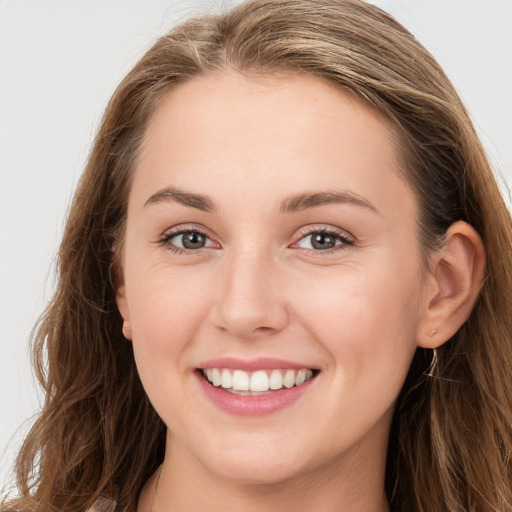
[285, 282]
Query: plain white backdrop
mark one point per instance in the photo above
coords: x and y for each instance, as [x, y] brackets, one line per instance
[59, 63]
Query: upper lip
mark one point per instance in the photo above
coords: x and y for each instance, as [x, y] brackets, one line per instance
[260, 363]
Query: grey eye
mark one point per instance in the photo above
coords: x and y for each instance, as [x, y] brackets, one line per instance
[189, 240]
[323, 241]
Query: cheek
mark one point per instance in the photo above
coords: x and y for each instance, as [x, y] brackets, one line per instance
[366, 319]
[165, 316]
[166, 311]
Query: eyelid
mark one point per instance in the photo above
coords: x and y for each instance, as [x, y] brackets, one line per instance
[322, 228]
[183, 228]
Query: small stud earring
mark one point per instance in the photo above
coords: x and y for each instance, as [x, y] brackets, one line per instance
[127, 331]
[432, 333]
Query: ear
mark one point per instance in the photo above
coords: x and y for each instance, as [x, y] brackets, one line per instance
[122, 305]
[121, 300]
[457, 273]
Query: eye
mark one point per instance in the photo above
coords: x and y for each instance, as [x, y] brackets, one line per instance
[187, 240]
[324, 240]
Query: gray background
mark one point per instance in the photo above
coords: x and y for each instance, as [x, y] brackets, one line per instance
[60, 62]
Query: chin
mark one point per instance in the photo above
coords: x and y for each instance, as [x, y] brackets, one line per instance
[272, 473]
[258, 467]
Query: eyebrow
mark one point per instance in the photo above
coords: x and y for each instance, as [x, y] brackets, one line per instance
[305, 201]
[173, 194]
[291, 204]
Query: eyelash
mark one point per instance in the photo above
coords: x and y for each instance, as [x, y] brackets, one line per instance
[346, 240]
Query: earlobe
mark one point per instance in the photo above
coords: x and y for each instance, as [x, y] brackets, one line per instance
[117, 282]
[122, 305]
[457, 275]
[127, 330]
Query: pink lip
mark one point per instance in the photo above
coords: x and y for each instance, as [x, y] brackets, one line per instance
[261, 363]
[259, 405]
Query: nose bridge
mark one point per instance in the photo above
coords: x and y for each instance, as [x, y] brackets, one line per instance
[250, 300]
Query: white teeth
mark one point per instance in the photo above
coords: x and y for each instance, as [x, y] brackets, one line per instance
[216, 377]
[276, 380]
[240, 380]
[301, 377]
[289, 379]
[227, 379]
[258, 381]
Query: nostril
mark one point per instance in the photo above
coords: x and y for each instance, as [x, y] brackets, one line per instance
[263, 329]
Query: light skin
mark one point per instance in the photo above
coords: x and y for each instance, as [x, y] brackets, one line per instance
[256, 166]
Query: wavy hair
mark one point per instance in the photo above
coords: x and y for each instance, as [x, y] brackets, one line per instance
[451, 437]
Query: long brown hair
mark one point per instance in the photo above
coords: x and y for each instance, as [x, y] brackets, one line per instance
[451, 438]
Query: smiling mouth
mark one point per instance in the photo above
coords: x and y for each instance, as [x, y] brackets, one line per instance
[260, 382]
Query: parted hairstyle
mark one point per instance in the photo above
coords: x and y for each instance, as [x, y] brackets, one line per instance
[451, 437]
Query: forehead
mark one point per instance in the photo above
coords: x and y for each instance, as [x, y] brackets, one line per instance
[263, 136]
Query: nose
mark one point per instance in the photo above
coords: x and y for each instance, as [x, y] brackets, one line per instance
[251, 300]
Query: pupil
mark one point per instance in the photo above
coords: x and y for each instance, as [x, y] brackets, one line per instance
[193, 240]
[323, 241]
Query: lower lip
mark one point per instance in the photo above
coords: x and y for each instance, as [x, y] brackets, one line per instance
[246, 405]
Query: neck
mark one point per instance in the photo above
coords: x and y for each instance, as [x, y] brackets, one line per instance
[350, 483]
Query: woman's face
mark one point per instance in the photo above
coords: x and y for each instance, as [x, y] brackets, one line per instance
[269, 230]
